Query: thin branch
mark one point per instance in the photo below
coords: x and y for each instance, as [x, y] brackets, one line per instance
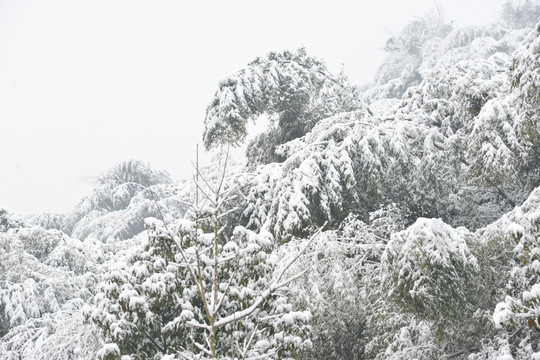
[198, 174]
[198, 324]
[224, 171]
[201, 347]
[464, 351]
[301, 251]
[514, 333]
[248, 345]
[154, 342]
[220, 302]
[157, 205]
[207, 342]
[207, 197]
[228, 212]
[239, 315]
[200, 287]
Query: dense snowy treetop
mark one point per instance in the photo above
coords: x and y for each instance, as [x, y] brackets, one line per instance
[275, 84]
[134, 171]
[293, 89]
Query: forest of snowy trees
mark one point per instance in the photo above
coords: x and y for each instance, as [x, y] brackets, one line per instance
[399, 220]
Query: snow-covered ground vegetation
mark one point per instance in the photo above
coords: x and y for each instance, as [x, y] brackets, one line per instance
[395, 221]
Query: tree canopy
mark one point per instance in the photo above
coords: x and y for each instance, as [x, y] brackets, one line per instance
[396, 221]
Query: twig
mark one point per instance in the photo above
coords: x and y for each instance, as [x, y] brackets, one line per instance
[157, 205]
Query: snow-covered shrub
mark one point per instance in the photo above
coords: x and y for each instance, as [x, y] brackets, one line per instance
[426, 269]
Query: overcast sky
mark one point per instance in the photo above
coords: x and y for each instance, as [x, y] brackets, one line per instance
[85, 84]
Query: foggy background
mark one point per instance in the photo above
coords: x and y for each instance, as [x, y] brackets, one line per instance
[85, 84]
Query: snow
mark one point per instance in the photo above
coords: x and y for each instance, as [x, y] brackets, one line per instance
[502, 314]
[506, 357]
[109, 349]
[261, 344]
[456, 143]
[153, 223]
[533, 293]
[288, 319]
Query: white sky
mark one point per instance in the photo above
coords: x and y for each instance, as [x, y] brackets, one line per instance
[85, 84]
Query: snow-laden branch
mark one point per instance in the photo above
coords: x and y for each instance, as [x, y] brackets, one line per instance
[239, 315]
[303, 250]
[276, 285]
